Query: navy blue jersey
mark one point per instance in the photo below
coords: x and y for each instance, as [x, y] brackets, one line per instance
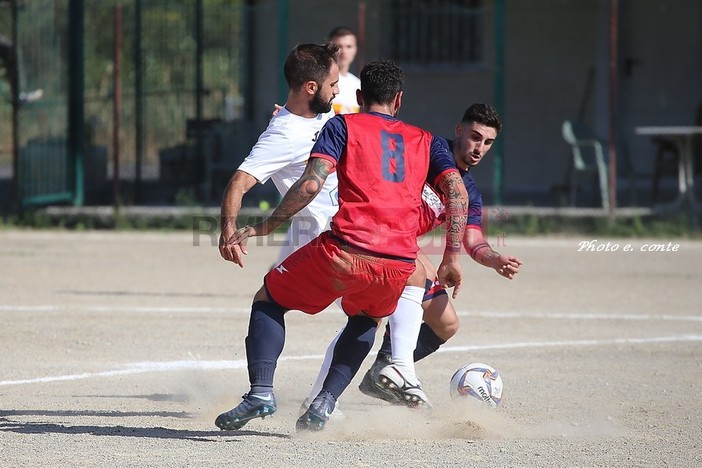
[475, 200]
[433, 212]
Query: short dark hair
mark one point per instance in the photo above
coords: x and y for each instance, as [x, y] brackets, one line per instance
[309, 62]
[483, 114]
[340, 31]
[381, 80]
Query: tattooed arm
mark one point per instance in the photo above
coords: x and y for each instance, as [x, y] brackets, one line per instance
[482, 252]
[456, 196]
[299, 196]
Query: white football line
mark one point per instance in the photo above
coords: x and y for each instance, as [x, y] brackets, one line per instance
[246, 310]
[150, 366]
[581, 316]
[549, 344]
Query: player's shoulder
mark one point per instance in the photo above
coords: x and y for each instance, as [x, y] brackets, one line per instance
[281, 121]
[408, 127]
[442, 141]
[287, 125]
[471, 186]
[353, 79]
[468, 180]
[277, 130]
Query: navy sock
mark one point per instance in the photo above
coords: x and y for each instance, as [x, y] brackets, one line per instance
[264, 343]
[386, 347]
[352, 347]
[427, 343]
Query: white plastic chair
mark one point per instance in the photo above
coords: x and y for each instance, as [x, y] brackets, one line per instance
[588, 159]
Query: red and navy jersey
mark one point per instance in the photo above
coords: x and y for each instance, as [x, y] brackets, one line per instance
[382, 164]
[433, 212]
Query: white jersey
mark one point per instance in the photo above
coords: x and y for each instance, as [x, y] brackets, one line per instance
[281, 154]
[345, 102]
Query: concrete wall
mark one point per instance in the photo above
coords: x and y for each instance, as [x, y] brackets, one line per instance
[661, 76]
[556, 68]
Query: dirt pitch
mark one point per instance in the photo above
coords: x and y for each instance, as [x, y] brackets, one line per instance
[119, 349]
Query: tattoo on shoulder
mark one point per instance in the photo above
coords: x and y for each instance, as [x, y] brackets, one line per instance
[321, 168]
[312, 180]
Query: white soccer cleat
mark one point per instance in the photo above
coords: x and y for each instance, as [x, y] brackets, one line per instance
[408, 394]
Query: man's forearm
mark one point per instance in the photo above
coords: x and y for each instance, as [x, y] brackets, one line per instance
[456, 211]
[231, 205]
[479, 249]
[294, 200]
[301, 193]
[483, 254]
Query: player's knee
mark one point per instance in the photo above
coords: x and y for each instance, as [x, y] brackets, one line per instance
[449, 330]
[444, 330]
[261, 295]
[441, 317]
[447, 327]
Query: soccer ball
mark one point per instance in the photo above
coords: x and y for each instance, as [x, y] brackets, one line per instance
[479, 381]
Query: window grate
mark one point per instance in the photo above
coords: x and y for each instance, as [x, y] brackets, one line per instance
[431, 33]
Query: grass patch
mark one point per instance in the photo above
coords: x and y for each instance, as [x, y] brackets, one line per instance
[198, 220]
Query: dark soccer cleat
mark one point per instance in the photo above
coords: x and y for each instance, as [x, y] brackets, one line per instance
[254, 406]
[408, 394]
[370, 385]
[336, 414]
[317, 413]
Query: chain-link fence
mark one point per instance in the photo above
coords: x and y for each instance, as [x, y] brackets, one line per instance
[6, 51]
[165, 74]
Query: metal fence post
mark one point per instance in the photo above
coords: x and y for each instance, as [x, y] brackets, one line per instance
[138, 101]
[76, 82]
[499, 93]
[14, 89]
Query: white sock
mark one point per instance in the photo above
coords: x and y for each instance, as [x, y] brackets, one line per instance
[405, 323]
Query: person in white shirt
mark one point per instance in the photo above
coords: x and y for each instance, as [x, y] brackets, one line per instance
[282, 150]
[345, 102]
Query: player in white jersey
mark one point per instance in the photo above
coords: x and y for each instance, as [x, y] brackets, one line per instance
[282, 150]
[345, 102]
[280, 154]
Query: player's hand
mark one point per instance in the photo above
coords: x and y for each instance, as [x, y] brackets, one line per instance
[450, 275]
[230, 251]
[508, 266]
[242, 234]
[276, 109]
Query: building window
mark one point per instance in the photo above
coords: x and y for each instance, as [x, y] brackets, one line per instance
[434, 33]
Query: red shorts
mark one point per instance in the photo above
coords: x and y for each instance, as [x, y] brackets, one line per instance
[312, 277]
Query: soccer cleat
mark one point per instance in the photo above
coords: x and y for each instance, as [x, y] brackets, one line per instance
[370, 385]
[336, 414]
[411, 395]
[317, 414]
[254, 406]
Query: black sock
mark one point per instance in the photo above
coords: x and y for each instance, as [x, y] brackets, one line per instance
[352, 347]
[427, 342]
[264, 344]
[385, 348]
